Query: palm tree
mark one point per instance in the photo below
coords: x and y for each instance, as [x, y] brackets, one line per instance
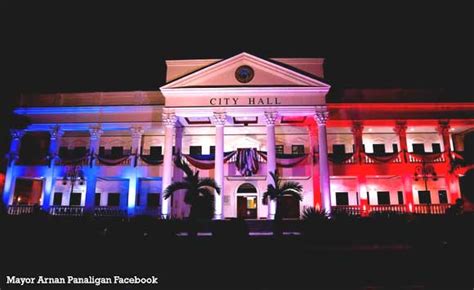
[277, 192]
[199, 192]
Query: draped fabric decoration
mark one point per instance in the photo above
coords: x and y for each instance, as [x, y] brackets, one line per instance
[73, 161]
[427, 157]
[386, 158]
[247, 161]
[206, 161]
[286, 160]
[115, 161]
[340, 158]
[152, 160]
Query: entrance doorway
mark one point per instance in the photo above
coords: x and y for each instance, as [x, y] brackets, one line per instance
[247, 200]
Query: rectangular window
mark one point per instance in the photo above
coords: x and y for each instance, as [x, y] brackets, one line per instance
[101, 151]
[400, 197]
[251, 202]
[212, 150]
[424, 197]
[338, 149]
[153, 200]
[395, 148]
[113, 199]
[280, 149]
[195, 150]
[418, 148]
[383, 197]
[63, 152]
[443, 196]
[117, 151]
[58, 198]
[75, 199]
[79, 152]
[297, 149]
[97, 199]
[342, 198]
[379, 148]
[436, 147]
[155, 151]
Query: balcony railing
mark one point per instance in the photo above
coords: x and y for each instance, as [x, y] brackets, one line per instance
[426, 157]
[430, 208]
[109, 211]
[417, 209]
[372, 158]
[398, 208]
[346, 158]
[346, 209]
[66, 210]
[20, 209]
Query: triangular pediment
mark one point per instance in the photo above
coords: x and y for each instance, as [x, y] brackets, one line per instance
[264, 74]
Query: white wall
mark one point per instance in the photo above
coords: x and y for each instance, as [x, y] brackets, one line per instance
[388, 139]
[66, 190]
[104, 187]
[426, 138]
[338, 138]
[393, 184]
[433, 187]
[349, 185]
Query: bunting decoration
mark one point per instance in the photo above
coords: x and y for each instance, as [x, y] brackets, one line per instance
[72, 161]
[110, 162]
[386, 158]
[340, 158]
[247, 161]
[152, 160]
[286, 160]
[206, 161]
[427, 157]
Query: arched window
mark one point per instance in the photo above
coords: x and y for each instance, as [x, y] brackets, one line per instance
[246, 188]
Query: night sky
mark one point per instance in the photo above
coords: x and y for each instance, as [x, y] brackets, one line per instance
[60, 46]
[66, 47]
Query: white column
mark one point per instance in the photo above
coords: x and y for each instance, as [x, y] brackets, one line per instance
[91, 172]
[179, 208]
[137, 133]
[321, 118]
[219, 121]
[50, 180]
[270, 119]
[95, 133]
[10, 174]
[169, 121]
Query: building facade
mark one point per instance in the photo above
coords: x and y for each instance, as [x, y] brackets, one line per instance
[236, 120]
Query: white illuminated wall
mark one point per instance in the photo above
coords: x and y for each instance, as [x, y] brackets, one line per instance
[426, 138]
[66, 190]
[104, 187]
[348, 185]
[388, 139]
[433, 187]
[392, 184]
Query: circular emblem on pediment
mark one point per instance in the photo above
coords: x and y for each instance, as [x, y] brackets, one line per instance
[244, 74]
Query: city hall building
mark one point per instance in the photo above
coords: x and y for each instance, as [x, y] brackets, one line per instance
[236, 120]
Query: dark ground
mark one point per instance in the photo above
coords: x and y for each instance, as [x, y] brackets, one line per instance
[433, 254]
